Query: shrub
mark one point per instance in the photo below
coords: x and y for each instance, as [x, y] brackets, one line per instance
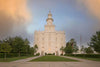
[61, 54]
[84, 55]
[45, 53]
[37, 54]
[53, 53]
[49, 54]
[9, 55]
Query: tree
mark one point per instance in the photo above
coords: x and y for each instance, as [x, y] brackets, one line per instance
[31, 51]
[68, 49]
[10, 41]
[74, 45]
[62, 49]
[75, 48]
[95, 42]
[0, 47]
[26, 46]
[6, 48]
[71, 47]
[88, 50]
[72, 42]
[35, 48]
[82, 49]
[18, 44]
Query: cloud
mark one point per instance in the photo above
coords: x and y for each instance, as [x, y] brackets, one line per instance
[14, 15]
[15, 8]
[93, 6]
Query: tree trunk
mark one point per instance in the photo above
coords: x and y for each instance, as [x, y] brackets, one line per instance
[26, 53]
[19, 53]
[5, 56]
[62, 52]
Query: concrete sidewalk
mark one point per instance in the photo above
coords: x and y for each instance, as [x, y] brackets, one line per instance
[81, 60]
[49, 64]
[24, 63]
[27, 59]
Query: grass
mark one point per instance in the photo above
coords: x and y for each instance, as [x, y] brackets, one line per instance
[94, 59]
[52, 59]
[87, 58]
[14, 58]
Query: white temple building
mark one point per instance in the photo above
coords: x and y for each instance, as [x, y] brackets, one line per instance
[49, 41]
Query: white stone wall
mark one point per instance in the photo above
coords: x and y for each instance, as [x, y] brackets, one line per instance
[49, 42]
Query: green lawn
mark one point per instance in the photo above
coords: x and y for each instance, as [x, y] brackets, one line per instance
[53, 58]
[94, 59]
[13, 58]
[87, 58]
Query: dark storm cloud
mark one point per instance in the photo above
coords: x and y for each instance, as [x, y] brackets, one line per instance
[14, 17]
[5, 25]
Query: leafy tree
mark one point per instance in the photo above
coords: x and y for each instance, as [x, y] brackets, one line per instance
[6, 48]
[10, 41]
[88, 50]
[95, 42]
[35, 48]
[25, 49]
[75, 48]
[68, 49]
[14, 42]
[62, 49]
[71, 47]
[26, 46]
[18, 45]
[0, 45]
[31, 51]
[26, 42]
[82, 49]
[72, 42]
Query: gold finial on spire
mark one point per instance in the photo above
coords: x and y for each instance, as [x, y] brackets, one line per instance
[49, 11]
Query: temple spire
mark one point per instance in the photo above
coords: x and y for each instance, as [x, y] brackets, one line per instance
[49, 11]
[50, 16]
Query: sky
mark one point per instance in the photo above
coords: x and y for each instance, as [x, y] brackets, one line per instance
[78, 18]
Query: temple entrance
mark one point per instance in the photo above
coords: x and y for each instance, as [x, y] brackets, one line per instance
[42, 53]
[57, 53]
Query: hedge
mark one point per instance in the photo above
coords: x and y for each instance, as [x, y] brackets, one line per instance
[9, 55]
[84, 55]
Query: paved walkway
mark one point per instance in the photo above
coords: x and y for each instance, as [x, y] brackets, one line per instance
[26, 60]
[23, 63]
[81, 60]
